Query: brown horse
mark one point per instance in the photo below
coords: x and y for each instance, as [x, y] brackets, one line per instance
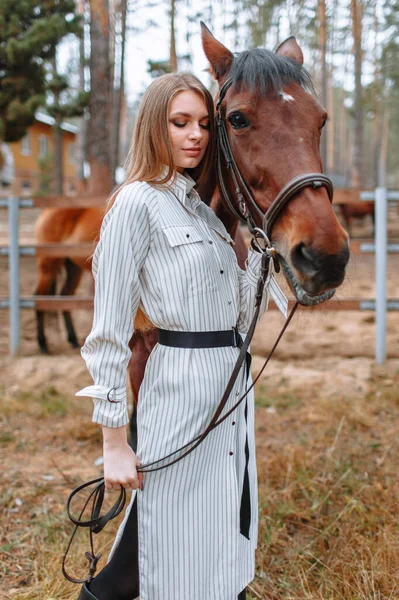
[274, 125]
[66, 225]
[356, 210]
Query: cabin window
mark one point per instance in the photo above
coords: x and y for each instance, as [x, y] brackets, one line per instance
[26, 185]
[25, 145]
[72, 153]
[43, 146]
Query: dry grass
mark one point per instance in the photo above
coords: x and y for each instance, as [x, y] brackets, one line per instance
[328, 493]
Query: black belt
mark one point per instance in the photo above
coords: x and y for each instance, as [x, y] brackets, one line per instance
[200, 339]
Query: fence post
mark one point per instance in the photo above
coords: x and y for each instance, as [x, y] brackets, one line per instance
[381, 215]
[13, 262]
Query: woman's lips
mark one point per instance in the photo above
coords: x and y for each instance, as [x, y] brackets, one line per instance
[192, 151]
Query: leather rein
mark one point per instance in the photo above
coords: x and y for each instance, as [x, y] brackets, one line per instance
[247, 211]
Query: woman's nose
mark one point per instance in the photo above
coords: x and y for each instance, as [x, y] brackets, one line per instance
[195, 133]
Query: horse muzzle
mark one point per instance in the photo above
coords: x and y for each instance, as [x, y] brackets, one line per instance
[313, 276]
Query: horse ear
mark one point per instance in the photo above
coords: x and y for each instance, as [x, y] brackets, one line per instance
[291, 49]
[220, 58]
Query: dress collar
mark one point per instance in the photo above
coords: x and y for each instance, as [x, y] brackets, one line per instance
[181, 186]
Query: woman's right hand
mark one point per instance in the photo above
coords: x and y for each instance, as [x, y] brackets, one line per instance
[120, 462]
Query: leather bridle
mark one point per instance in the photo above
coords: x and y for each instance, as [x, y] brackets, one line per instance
[246, 208]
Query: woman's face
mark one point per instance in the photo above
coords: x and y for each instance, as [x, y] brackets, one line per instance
[188, 129]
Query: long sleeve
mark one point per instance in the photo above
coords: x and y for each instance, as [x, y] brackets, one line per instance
[117, 261]
[248, 281]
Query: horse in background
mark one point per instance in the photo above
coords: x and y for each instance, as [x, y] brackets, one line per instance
[68, 225]
[356, 210]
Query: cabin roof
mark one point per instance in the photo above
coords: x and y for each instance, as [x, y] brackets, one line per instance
[43, 118]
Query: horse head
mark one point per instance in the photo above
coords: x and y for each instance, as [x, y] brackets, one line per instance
[273, 123]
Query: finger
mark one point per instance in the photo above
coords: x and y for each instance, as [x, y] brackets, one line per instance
[141, 480]
[134, 483]
[114, 486]
[108, 485]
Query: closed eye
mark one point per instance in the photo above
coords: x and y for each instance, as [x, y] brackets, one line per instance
[202, 125]
[238, 120]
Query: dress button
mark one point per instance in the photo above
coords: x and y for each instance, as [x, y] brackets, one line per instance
[221, 270]
[229, 302]
[237, 392]
[233, 423]
[210, 241]
[231, 454]
[187, 235]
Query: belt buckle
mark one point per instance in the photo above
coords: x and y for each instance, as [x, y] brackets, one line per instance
[236, 339]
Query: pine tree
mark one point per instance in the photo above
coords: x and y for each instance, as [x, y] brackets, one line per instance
[29, 33]
[61, 104]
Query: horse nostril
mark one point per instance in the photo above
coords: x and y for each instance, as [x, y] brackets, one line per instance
[318, 270]
[304, 259]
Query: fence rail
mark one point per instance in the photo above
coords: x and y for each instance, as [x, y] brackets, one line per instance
[14, 250]
[86, 303]
[85, 250]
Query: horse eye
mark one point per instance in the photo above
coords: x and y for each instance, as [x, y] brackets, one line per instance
[238, 121]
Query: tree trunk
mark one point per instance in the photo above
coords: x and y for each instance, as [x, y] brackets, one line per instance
[323, 72]
[58, 158]
[120, 84]
[376, 128]
[58, 163]
[172, 54]
[81, 140]
[358, 141]
[330, 126]
[342, 147]
[100, 100]
[382, 162]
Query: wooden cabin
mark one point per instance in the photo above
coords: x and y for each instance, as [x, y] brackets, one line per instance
[33, 157]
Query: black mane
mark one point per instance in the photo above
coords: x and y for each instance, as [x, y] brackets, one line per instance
[265, 72]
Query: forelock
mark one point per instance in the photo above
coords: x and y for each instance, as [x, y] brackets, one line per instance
[264, 72]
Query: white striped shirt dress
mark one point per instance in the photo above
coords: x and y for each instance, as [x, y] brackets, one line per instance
[163, 249]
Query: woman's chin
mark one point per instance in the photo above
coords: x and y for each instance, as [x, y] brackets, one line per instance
[189, 163]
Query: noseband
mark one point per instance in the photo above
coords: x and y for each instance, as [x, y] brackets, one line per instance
[246, 209]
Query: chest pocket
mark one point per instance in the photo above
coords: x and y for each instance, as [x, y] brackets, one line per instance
[180, 235]
[191, 262]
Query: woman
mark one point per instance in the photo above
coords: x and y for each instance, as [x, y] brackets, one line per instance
[162, 249]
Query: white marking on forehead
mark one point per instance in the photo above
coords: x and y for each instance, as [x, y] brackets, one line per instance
[286, 97]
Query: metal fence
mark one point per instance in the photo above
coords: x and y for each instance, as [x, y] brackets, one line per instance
[14, 250]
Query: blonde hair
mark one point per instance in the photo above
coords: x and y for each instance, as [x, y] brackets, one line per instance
[150, 148]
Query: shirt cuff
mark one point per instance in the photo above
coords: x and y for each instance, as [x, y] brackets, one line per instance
[253, 266]
[109, 414]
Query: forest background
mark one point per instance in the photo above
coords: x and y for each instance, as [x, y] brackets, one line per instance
[90, 61]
